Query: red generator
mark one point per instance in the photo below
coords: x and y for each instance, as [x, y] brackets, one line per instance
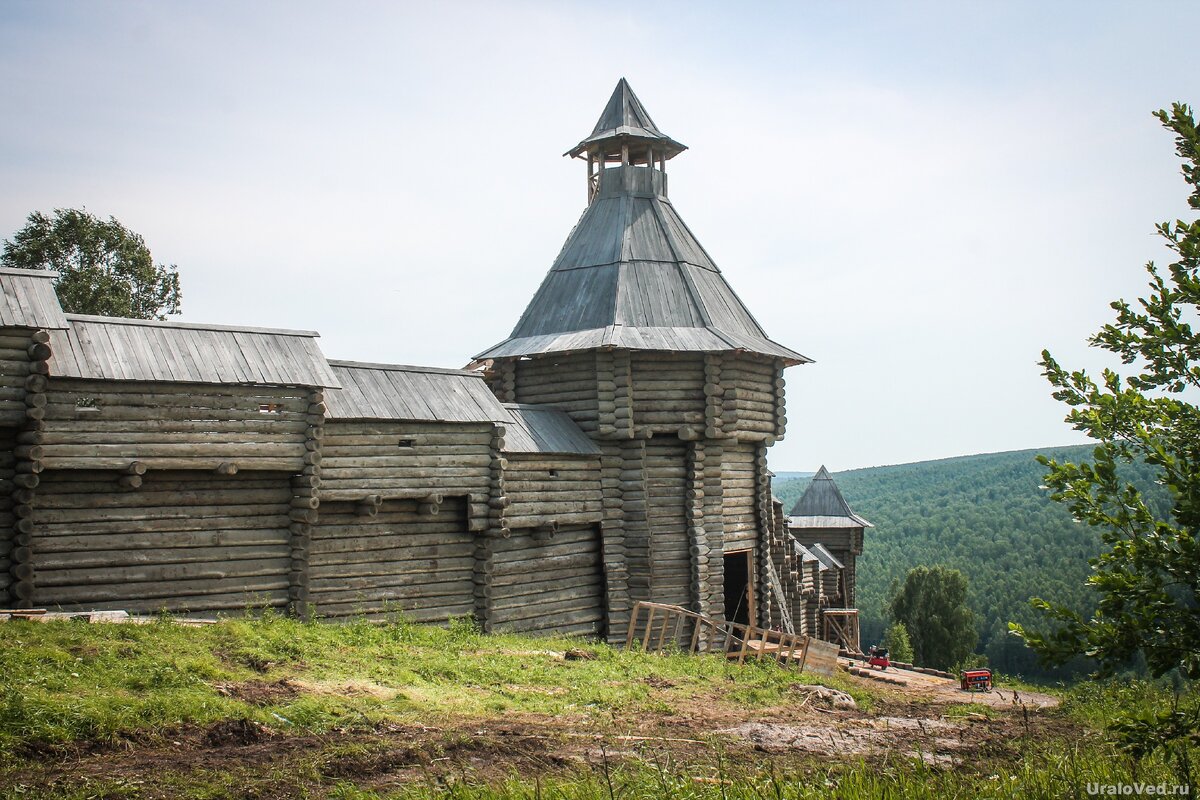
[878, 657]
[976, 680]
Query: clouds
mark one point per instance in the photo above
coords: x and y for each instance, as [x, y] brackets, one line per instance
[919, 198]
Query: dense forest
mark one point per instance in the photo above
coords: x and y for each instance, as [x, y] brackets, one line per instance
[983, 515]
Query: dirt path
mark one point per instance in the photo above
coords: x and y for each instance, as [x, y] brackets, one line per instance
[946, 690]
[916, 719]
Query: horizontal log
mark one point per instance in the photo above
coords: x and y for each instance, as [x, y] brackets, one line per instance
[347, 569]
[202, 463]
[65, 496]
[478, 458]
[232, 572]
[155, 540]
[543, 616]
[93, 430]
[458, 589]
[190, 595]
[583, 594]
[417, 614]
[222, 557]
[289, 397]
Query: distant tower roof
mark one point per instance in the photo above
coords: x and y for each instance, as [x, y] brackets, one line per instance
[631, 275]
[823, 506]
[625, 118]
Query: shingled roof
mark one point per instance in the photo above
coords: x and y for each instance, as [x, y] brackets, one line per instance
[822, 506]
[632, 275]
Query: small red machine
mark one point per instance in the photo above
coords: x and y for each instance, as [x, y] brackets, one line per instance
[976, 680]
[878, 657]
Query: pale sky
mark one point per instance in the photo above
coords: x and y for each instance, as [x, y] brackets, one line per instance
[920, 196]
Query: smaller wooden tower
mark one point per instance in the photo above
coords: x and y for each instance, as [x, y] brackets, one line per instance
[823, 522]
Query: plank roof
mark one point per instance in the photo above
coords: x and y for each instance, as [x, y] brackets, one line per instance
[408, 393]
[28, 300]
[625, 118]
[805, 554]
[822, 506]
[542, 429]
[113, 348]
[825, 557]
[632, 275]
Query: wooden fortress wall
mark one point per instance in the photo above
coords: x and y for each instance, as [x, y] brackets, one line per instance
[151, 466]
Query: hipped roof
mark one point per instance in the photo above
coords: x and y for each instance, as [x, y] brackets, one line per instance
[631, 275]
[822, 506]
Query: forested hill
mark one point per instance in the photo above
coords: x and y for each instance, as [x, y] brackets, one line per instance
[982, 514]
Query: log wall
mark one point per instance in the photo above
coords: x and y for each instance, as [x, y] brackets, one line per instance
[93, 424]
[399, 558]
[738, 473]
[668, 392]
[186, 542]
[16, 348]
[8, 439]
[549, 584]
[565, 382]
[546, 489]
[666, 489]
[410, 460]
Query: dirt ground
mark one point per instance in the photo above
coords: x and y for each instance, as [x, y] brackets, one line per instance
[915, 719]
[945, 690]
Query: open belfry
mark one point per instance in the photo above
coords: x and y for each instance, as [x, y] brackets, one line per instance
[611, 450]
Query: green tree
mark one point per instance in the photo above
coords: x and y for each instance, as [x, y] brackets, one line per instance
[1148, 575]
[104, 268]
[932, 606]
[897, 642]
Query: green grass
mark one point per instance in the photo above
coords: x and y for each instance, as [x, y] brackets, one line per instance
[66, 681]
[342, 687]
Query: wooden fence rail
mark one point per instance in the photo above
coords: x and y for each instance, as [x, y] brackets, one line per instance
[657, 628]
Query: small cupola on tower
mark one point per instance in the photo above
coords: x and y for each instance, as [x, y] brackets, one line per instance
[632, 275]
[625, 136]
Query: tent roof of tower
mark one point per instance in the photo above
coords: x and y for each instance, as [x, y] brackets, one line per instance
[626, 119]
[633, 276]
[822, 506]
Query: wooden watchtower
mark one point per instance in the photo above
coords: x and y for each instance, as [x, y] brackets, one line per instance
[637, 336]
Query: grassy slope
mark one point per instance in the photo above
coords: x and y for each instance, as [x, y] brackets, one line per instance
[69, 681]
[74, 696]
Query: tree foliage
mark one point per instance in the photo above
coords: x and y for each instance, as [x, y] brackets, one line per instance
[897, 642]
[932, 606]
[104, 268]
[1148, 576]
